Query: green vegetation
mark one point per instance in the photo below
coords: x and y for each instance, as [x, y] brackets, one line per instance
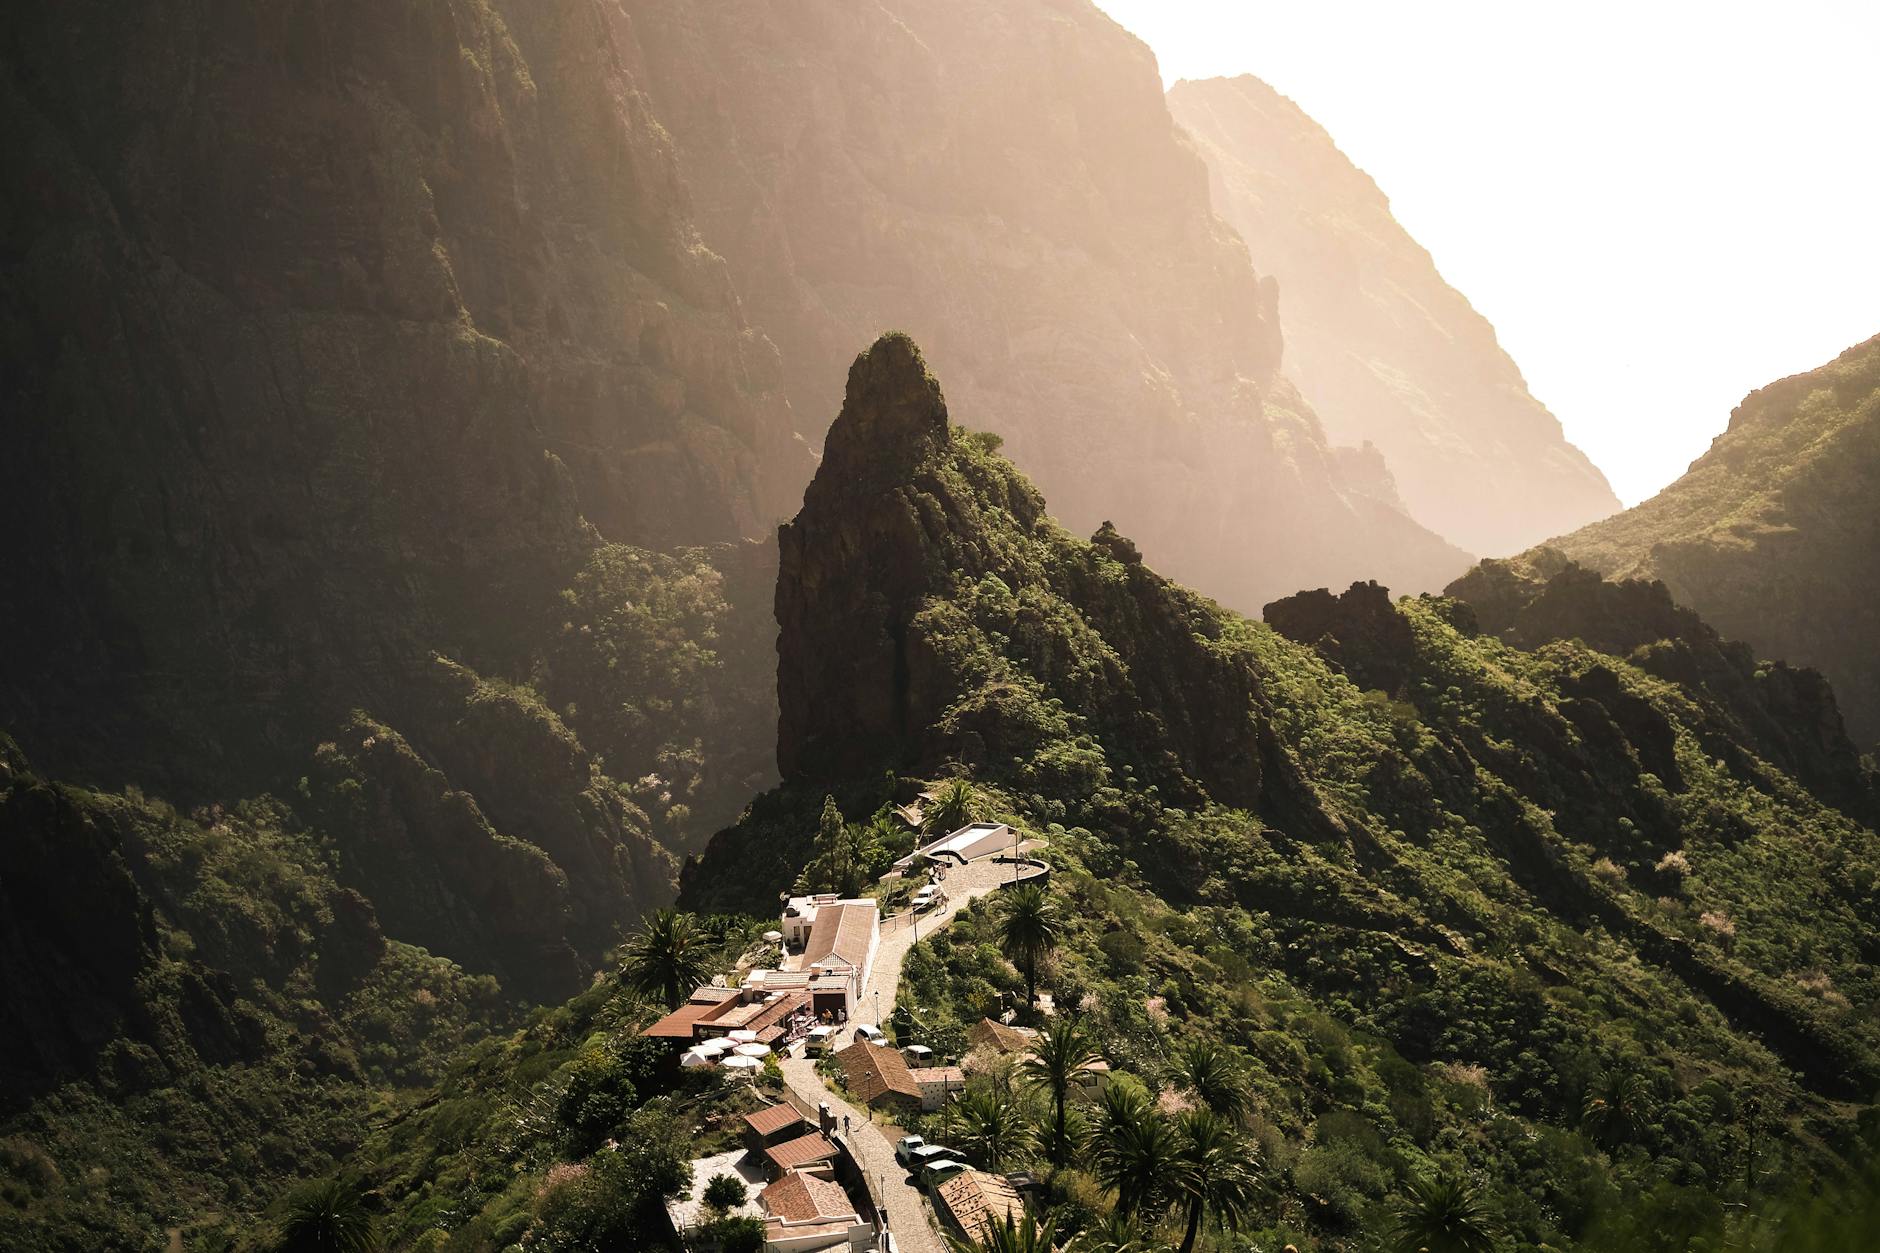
[668, 957]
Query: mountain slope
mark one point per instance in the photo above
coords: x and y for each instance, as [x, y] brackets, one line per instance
[1003, 180]
[1388, 352]
[1774, 534]
[1369, 830]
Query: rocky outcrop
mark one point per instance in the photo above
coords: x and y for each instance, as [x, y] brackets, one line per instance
[1774, 534]
[332, 333]
[1002, 180]
[1788, 715]
[1389, 353]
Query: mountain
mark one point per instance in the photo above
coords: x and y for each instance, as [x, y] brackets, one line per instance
[1389, 353]
[1003, 180]
[1411, 872]
[1773, 535]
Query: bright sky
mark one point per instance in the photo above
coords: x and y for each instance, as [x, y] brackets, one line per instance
[1660, 204]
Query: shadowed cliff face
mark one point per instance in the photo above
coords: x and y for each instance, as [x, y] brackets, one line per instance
[1003, 180]
[1774, 534]
[331, 334]
[1388, 352]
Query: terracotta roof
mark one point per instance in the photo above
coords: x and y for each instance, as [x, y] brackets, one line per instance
[939, 1074]
[772, 1119]
[842, 932]
[801, 1198]
[1001, 1037]
[872, 1072]
[979, 1201]
[679, 1024]
[760, 1014]
[814, 1147]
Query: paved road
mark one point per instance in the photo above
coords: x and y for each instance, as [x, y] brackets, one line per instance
[909, 1218]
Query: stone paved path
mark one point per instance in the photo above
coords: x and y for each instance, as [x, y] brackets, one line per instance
[909, 1218]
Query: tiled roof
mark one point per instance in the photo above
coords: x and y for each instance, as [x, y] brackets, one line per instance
[1001, 1037]
[679, 1024]
[872, 1072]
[979, 1201]
[842, 932]
[772, 1119]
[938, 1074]
[801, 1198]
[814, 1147]
[760, 1014]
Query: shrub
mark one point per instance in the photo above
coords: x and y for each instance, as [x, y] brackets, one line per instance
[725, 1192]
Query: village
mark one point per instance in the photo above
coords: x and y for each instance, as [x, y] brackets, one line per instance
[828, 1164]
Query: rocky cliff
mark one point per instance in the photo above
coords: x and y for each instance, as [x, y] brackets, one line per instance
[333, 336]
[1387, 351]
[1003, 180]
[1774, 534]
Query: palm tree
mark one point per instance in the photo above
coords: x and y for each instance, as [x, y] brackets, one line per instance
[992, 1126]
[1215, 1172]
[1011, 1237]
[1030, 931]
[1614, 1111]
[668, 958]
[1137, 1154]
[1214, 1076]
[1444, 1215]
[328, 1216]
[1115, 1234]
[956, 804]
[1060, 1051]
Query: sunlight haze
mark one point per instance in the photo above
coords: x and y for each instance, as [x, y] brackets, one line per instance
[1659, 207]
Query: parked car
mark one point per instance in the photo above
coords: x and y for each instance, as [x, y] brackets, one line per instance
[926, 899]
[927, 1154]
[870, 1033]
[906, 1147]
[938, 1172]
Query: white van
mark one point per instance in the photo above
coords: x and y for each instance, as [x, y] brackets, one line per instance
[872, 1034]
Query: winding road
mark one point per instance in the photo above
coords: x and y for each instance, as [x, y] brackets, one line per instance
[910, 1219]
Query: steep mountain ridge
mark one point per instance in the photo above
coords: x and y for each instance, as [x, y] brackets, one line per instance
[1004, 181]
[1547, 867]
[1389, 353]
[1773, 535]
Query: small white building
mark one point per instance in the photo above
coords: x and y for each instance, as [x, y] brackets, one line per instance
[836, 939]
[970, 843]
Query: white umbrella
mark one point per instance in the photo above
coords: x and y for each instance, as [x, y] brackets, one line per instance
[736, 1062]
[714, 1046]
[692, 1059]
[752, 1050]
[743, 1037]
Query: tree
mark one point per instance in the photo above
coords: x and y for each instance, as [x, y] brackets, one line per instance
[1060, 1052]
[668, 958]
[1115, 1234]
[1443, 1214]
[836, 861]
[956, 805]
[992, 1126]
[328, 1216]
[1214, 1172]
[1136, 1153]
[1614, 1111]
[1212, 1074]
[725, 1192]
[1030, 931]
[1029, 1236]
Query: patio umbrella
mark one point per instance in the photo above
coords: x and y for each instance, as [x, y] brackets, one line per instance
[743, 1037]
[691, 1059]
[752, 1050]
[714, 1046]
[737, 1062]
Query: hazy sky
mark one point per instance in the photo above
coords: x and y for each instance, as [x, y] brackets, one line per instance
[1660, 205]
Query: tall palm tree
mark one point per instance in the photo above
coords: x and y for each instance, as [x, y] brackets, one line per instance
[328, 1216]
[668, 958]
[1060, 1051]
[1214, 1172]
[991, 1126]
[955, 805]
[1030, 931]
[1443, 1214]
[1030, 1236]
[1137, 1154]
[1212, 1073]
[1115, 1234]
[1614, 1111]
